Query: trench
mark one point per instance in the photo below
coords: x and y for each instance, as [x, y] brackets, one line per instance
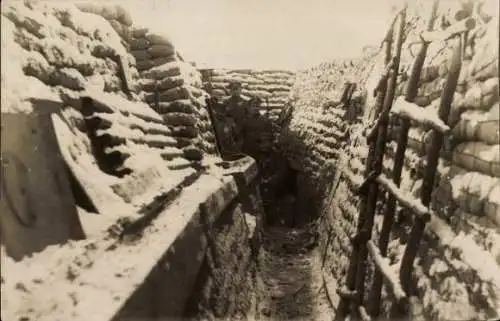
[287, 281]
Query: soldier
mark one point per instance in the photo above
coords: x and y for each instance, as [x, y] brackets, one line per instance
[236, 106]
[235, 112]
[252, 128]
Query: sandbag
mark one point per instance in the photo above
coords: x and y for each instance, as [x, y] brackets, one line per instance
[157, 51]
[139, 44]
[492, 204]
[477, 125]
[482, 95]
[179, 106]
[170, 69]
[176, 119]
[485, 61]
[193, 153]
[109, 12]
[479, 157]
[183, 142]
[177, 93]
[139, 32]
[469, 190]
[155, 39]
[140, 55]
[151, 63]
[68, 78]
[150, 85]
[185, 131]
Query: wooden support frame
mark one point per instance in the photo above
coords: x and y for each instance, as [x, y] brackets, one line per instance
[450, 32]
[390, 210]
[417, 231]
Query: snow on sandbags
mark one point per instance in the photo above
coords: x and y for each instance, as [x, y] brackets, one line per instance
[151, 50]
[171, 69]
[65, 47]
[109, 12]
[478, 125]
[477, 156]
[470, 190]
[481, 95]
[484, 63]
[173, 89]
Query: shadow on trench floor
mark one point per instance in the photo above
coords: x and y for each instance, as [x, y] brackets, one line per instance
[290, 283]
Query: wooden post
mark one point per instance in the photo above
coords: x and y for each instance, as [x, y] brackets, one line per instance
[38, 208]
[411, 94]
[371, 199]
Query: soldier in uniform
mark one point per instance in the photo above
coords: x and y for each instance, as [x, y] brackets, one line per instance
[233, 114]
[252, 128]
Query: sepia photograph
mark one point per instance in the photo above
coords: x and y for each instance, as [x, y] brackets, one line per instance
[250, 160]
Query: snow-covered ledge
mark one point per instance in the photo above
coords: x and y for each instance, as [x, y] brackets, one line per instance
[95, 279]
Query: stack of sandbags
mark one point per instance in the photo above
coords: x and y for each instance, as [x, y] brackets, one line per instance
[63, 49]
[272, 86]
[121, 22]
[478, 125]
[472, 192]
[150, 50]
[479, 157]
[174, 89]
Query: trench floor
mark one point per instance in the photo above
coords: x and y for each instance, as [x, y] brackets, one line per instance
[289, 278]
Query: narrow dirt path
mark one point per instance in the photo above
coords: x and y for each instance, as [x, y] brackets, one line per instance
[291, 283]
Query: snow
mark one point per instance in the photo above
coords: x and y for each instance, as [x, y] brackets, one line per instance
[389, 273]
[405, 199]
[427, 116]
[471, 254]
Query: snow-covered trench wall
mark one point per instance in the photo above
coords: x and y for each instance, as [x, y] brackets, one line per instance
[456, 275]
[121, 198]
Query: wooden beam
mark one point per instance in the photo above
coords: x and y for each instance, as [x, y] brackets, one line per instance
[450, 32]
[409, 202]
[383, 266]
[419, 114]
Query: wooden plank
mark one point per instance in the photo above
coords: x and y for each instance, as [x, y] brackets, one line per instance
[390, 209]
[432, 162]
[383, 267]
[124, 74]
[38, 208]
[448, 33]
[405, 109]
[409, 202]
